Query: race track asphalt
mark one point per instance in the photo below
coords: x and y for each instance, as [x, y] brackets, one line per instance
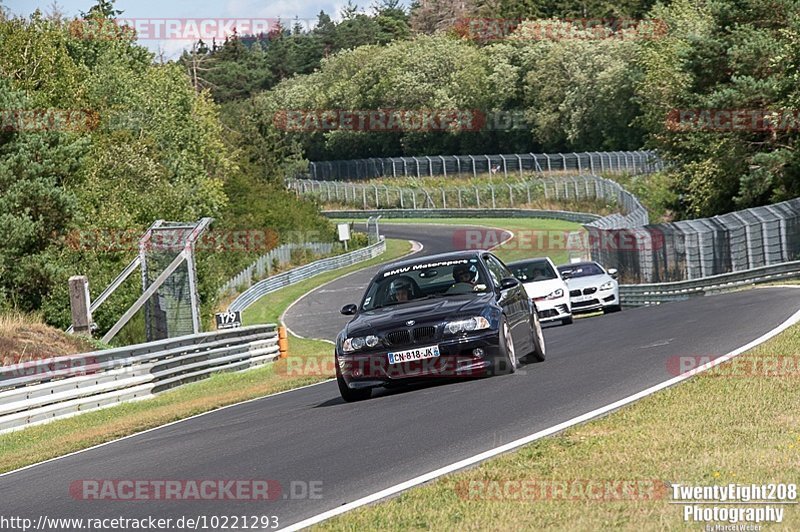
[352, 450]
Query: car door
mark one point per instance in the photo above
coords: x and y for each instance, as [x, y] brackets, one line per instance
[514, 301]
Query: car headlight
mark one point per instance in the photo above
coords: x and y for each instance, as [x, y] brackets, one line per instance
[607, 286]
[471, 324]
[354, 344]
[555, 295]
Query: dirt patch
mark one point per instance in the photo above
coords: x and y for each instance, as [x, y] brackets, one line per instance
[24, 338]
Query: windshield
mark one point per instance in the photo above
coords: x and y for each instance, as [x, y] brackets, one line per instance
[536, 270]
[582, 270]
[426, 280]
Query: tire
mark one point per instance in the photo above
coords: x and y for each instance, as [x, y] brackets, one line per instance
[567, 321]
[538, 353]
[506, 361]
[611, 308]
[347, 393]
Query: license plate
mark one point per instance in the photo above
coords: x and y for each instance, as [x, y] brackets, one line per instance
[584, 298]
[414, 354]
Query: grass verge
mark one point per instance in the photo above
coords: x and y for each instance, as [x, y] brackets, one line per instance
[737, 423]
[42, 442]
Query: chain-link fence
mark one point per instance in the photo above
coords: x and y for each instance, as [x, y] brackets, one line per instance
[173, 310]
[632, 162]
[692, 249]
[489, 196]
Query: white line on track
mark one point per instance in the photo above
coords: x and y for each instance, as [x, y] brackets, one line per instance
[393, 490]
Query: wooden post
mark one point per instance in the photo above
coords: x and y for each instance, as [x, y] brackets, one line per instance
[80, 305]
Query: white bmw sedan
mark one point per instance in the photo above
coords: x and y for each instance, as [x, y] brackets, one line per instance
[545, 287]
[591, 287]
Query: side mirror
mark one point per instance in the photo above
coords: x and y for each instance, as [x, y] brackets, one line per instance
[349, 310]
[612, 272]
[508, 282]
[566, 275]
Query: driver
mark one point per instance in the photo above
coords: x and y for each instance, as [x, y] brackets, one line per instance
[400, 290]
[465, 277]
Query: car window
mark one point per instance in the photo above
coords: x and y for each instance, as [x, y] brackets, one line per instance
[582, 270]
[539, 270]
[425, 279]
[496, 269]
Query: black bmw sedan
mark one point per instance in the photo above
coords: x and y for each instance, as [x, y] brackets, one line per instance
[459, 314]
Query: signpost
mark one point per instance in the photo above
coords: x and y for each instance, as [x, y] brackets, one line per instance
[344, 233]
[228, 320]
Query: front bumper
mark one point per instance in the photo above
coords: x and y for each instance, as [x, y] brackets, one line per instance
[455, 360]
[598, 301]
[553, 309]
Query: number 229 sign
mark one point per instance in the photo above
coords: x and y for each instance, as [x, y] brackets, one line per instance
[229, 320]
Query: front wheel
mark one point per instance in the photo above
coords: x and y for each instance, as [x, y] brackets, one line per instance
[538, 353]
[506, 361]
[567, 320]
[347, 393]
[611, 308]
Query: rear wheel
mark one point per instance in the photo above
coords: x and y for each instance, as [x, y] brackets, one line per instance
[506, 361]
[347, 393]
[537, 355]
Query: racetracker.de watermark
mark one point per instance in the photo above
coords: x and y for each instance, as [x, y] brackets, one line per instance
[554, 240]
[44, 120]
[59, 367]
[381, 120]
[115, 240]
[531, 490]
[747, 120]
[744, 367]
[194, 490]
[207, 29]
[379, 367]
[495, 29]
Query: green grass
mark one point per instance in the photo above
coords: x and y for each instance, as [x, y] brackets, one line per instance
[712, 429]
[269, 308]
[526, 230]
[42, 442]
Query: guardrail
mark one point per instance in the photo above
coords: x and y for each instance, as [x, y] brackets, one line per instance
[282, 255]
[39, 391]
[295, 275]
[636, 295]
[570, 216]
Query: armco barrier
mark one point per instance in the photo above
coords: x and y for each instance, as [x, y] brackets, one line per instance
[44, 390]
[636, 295]
[295, 275]
[570, 216]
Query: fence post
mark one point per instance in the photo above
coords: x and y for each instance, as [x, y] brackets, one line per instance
[494, 205]
[80, 305]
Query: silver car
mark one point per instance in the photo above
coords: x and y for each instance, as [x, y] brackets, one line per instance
[591, 287]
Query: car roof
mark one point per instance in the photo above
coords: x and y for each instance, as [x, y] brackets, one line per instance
[528, 261]
[450, 255]
[579, 264]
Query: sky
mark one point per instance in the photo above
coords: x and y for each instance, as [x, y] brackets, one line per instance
[150, 12]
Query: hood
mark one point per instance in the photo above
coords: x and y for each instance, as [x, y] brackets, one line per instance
[428, 311]
[589, 280]
[542, 288]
